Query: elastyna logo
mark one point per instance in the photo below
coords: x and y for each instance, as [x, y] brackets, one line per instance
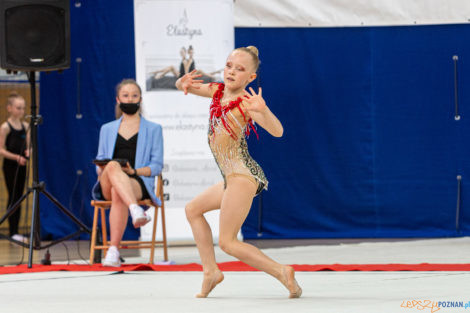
[182, 29]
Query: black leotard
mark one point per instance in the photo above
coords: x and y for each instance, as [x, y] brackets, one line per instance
[125, 149]
[15, 175]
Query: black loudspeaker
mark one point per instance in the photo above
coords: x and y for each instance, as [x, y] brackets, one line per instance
[34, 35]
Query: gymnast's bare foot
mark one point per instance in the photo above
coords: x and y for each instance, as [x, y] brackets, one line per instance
[288, 279]
[210, 281]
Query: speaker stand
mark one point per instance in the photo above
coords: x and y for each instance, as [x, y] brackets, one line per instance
[39, 187]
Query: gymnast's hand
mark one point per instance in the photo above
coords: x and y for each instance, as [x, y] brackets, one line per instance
[254, 102]
[188, 81]
[21, 160]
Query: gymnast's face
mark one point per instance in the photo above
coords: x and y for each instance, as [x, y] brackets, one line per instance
[16, 108]
[239, 70]
[128, 93]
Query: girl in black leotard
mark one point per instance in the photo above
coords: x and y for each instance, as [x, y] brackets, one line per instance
[14, 143]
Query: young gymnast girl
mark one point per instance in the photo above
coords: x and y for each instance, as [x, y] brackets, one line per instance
[14, 147]
[233, 112]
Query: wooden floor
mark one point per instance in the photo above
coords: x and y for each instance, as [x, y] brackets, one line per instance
[67, 251]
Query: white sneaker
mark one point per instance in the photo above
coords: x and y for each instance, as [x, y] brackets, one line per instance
[20, 238]
[139, 218]
[112, 257]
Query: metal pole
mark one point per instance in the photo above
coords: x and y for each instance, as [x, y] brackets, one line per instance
[34, 235]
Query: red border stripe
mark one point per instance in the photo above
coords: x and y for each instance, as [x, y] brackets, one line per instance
[235, 267]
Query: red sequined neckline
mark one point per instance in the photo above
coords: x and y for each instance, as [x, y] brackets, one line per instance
[217, 111]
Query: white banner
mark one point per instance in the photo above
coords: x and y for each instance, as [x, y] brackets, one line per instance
[171, 38]
[338, 13]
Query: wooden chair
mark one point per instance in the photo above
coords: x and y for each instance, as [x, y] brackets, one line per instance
[101, 206]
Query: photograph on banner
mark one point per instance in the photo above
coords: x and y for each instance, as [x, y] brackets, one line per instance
[173, 38]
[179, 37]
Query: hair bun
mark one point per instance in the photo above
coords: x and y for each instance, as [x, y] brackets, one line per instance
[13, 94]
[253, 49]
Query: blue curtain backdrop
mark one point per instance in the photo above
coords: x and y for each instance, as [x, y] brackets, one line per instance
[370, 149]
[103, 37]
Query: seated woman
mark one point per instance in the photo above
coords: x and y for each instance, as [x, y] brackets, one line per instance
[139, 141]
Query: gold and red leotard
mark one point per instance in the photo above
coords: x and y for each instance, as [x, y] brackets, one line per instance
[228, 127]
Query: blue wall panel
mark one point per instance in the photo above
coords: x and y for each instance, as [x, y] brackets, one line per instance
[371, 146]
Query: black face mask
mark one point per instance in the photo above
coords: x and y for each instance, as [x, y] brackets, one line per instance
[129, 108]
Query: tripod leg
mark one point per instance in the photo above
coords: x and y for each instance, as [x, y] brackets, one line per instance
[33, 226]
[15, 206]
[65, 211]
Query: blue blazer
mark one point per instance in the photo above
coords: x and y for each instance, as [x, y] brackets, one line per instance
[149, 151]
